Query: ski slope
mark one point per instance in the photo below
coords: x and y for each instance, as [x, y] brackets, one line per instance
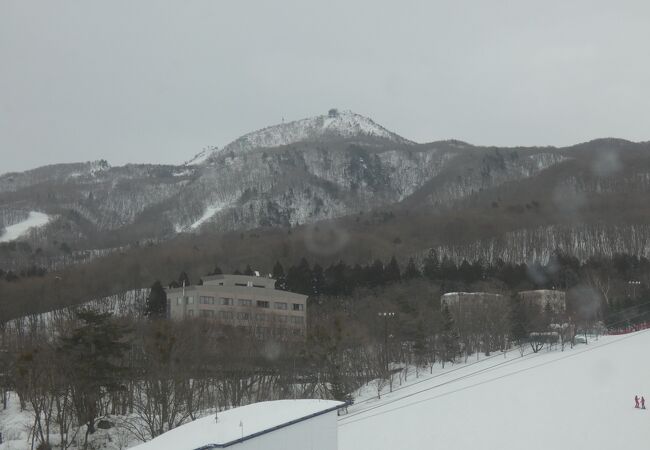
[582, 398]
[34, 220]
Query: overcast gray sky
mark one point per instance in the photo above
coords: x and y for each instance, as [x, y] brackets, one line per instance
[157, 81]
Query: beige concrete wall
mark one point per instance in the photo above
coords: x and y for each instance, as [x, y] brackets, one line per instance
[244, 310]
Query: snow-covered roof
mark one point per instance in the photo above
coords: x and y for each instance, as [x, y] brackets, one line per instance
[255, 419]
[479, 294]
[541, 291]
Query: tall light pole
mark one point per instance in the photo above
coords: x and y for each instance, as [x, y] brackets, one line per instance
[386, 316]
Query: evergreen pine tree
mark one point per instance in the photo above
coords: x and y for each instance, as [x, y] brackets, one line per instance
[431, 267]
[339, 280]
[465, 272]
[450, 339]
[411, 272]
[392, 272]
[183, 278]
[518, 322]
[299, 278]
[279, 276]
[156, 306]
[278, 271]
[375, 274]
[448, 269]
[317, 280]
[420, 347]
[93, 351]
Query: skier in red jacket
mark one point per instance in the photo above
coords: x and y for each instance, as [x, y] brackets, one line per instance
[636, 401]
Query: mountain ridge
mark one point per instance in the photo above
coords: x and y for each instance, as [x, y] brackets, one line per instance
[341, 124]
[322, 168]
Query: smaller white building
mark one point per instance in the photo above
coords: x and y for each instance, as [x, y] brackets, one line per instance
[276, 425]
[543, 298]
[452, 299]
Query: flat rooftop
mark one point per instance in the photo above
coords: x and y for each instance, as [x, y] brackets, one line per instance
[257, 419]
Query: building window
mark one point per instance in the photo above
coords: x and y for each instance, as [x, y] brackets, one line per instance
[297, 320]
[179, 301]
[297, 332]
[226, 315]
[190, 313]
[260, 317]
[280, 305]
[207, 313]
[282, 319]
[243, 316]
[226, 301]
[262, 304]
[245, 302]
[206, 300]
[190, 300]
[241, 284]
[298, 307]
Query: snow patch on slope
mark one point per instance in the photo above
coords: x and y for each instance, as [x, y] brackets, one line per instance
[200, 157]
[209, 212]
[34, 220]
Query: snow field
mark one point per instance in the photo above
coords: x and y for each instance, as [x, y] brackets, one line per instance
[579, 398]
[34, 220]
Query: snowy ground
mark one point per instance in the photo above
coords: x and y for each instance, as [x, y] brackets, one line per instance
[34, 220]
[15, 427]
[581, 398]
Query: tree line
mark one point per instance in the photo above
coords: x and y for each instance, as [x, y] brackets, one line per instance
[613, 282]
[146, 374]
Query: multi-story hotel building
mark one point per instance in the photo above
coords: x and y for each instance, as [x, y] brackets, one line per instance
[244, 301]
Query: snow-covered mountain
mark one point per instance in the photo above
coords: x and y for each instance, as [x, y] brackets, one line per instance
[336, 165]
[335, 124]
